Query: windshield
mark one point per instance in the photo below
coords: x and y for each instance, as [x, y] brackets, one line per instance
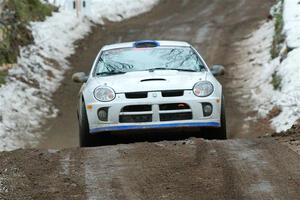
[125, 60]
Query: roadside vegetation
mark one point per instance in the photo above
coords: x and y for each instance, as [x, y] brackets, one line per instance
[276, 81]
[277, 44]
[278, 38]
[2, 77]
[14, 31]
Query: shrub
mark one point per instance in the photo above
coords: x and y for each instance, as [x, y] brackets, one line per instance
[15, 19]
[278, 38]
[276, 81]
[2, 77]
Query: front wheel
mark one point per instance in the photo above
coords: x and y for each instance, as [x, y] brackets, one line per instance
[85, 138]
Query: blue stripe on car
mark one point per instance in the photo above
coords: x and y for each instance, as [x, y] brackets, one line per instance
[155, 126]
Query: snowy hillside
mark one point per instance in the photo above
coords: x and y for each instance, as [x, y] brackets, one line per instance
[25, 99]
[275, 83]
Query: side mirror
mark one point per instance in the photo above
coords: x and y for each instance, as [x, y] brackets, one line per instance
[79, 77]
[218, 70]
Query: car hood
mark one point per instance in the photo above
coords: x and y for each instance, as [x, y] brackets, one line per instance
[149, 81]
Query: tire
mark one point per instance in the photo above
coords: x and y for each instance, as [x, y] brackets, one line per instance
[221, 132]
[85, 138]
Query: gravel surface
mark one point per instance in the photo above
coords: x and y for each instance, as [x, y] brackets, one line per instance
[291, 138]
[166, 165]
[187, 169]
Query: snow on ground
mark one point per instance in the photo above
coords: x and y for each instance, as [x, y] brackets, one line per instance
[291, 17]
[25, 100]
[258, 68]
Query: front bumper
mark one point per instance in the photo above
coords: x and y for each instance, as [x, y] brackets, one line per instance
[173, 125]
[154, 99]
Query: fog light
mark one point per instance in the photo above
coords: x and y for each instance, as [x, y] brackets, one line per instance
[103, 114]
[207, 109]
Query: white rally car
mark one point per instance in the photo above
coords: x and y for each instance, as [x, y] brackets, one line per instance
[150, 85]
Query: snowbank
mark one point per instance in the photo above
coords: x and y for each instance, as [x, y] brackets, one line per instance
[25, 100]
[291, 17]
[260, 68]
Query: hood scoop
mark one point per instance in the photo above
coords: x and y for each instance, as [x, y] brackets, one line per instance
[153, 79]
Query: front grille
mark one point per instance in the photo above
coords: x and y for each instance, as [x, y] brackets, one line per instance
[172, 93]
[136, 113]
[176, 116]
[135, 118]
[143, 95]
[174, 106]
[137, 108]
[166, 112]
[136, 95]
[175, 111]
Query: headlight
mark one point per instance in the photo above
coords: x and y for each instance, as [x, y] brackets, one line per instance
[203, 89]
[104, 94]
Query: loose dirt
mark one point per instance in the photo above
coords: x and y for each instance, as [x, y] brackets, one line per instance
[163, 166]
[188, 169]
[291, 138]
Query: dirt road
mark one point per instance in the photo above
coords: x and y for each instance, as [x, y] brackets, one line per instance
[210, 25]
[155, 166]
[190, 169]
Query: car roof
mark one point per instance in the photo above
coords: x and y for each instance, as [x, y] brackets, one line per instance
[160, 42]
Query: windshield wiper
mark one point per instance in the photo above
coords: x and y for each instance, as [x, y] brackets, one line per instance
[183, 70]
[158, 68]
[110, 73]
[186, 70]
